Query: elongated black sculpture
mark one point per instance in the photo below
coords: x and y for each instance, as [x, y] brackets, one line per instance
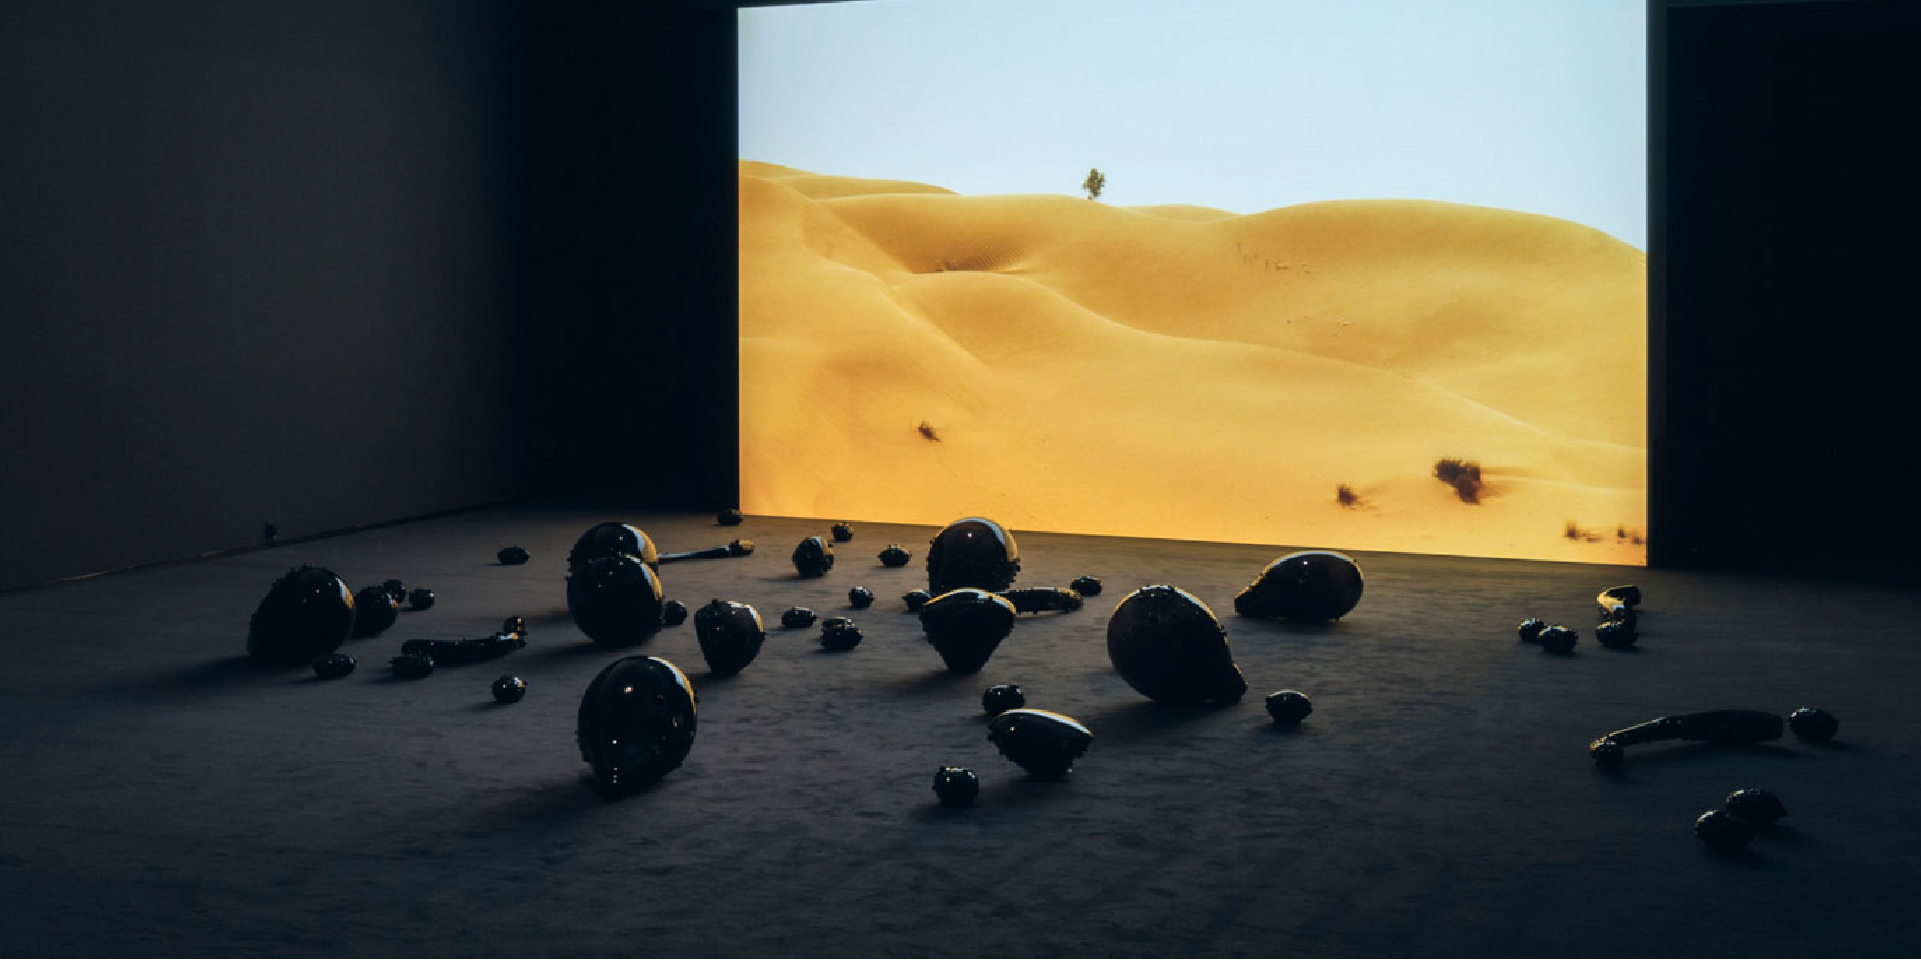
[894, 555]
[956, 786]
[915, 599]
[842, 532]
[615, 600]
[1620, 625]
[451, 653]
[973, 552]
[734, 548]
[306, 613]
[333, 666]
[412, 666]
[839, 633]
[1044, 743]
[612, 539]
[1086, 586]
[813, 557]
[1169, 646]
[673, 613]
[636, 723]
[860, 598]
[1002, 697]
[965, 626]
[1714, 726]
[797, 618]
[509, 689]
[730, 635]
[374, 611]
[512, 556]
[1311, 586]
[1042, 599]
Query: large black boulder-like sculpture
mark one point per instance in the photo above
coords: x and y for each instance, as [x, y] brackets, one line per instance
[730, 635]
[613, 539]
[1312, 586]
[306, 613]
[374, 611]
[636, 723]
[615, 600]
[966, 625]
[1169, 646]
[813, 557]
[972, 552]
[1044, 743]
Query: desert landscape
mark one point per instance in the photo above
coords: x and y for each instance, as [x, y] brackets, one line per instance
[1399, 375]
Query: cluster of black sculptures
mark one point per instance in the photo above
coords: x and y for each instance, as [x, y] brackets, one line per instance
[1619, 628]
[1743, 814]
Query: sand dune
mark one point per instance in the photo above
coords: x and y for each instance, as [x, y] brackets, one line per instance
[1186, 373]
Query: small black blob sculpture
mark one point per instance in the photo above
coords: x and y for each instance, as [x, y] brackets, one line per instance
[1288, 707]
[612, 539]
[673, 613]
[1759, 807]
[514, 625]
[1042, 599]
[1169, 646]
[333, 666]
[420, 599]
[1615, 634]
[965, 626]
[395, 589]
[509, 689]
[1311, 586]
[894, 555]
[860, 598]
[1530, 630]
[1044, 743]
[412, 666]
[306, 613]
[636, 724]
[843, 532]
[1723, 831]
[729, 517]
[730, 635]
[511, 556]
[839, 633]
[797, 618]
[915, 599]
[972, 552]
[1557, 639]
[1086, 586]
[956, 786]
[615, 600]
[813, 557]
[374, 611]
[1002, 697]
[1813, 724]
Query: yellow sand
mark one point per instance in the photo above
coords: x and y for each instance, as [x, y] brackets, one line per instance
[1189, 373]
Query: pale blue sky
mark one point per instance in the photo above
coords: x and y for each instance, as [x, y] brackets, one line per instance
[1245, 105]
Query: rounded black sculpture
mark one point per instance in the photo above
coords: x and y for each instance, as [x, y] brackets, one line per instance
[333, 666]
[1288, 707]
[860, 598]
[973, 552]
[1615, 634]
[839, 633]
[1813, 724]
[395, 589]
[509, 689]
[511, 556]
[1002, 697]
[894, 555]
[411, 666]
[842, 532]
[730, 635]
[966, 626]
[613, 539]
[729, 517]
[636, 723]
[514, 625]
[615, 600]
[1086, 586]
[1042, 599]
[1759, 807]
[420, 598]
[813, 557]
[1530, 630]
[1169, 646]
[797, 618]
[306, 613]
[374, 611]
[956, 786]
[1312, 586]
[673, 613]
[1722, 830]
[1557, 639]
[1044, 743]
[915, 599]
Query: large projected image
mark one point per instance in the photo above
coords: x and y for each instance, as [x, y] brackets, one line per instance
[1361, 274]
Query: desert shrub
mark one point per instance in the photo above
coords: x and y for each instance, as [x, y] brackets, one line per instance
[1463, 475]
[1347, 497]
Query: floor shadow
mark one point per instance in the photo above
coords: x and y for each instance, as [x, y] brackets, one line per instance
[926, 682]
[214, 676]
[575, 651]
[1654, 755]
[1143, 719]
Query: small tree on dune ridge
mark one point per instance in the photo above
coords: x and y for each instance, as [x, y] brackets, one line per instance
[1094, 182]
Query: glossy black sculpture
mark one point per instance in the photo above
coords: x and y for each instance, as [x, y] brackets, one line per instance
[1557, 639]
[956, 786]
[1169, 646]
[636, 723]
[615, 600]
[1042, 599]
[411, 666]
[306, 613]
[1755, 805]
[612, 539]
[1615, 634]
[1722, 830]
[420, 598]
[453, 653]
[734, 548]
[1002, 697]
[839, 633]
[842, 532]
[1813, 724]
[813, 557]
[966, 626]
[1530, 630]
[1626, 593]
[511, 556]
[730, 635]
[673, 613]
[1086, 586]
[1311, 586]
[516, 625]
[797, 618]
[395, 589]
[509, 689]
[729, 517]
[374, 611]
[915, 599]
[894, 555]
[1714, 726]
[972, 552]
[1288, 707]
[333, 666]
[860, 598]
[1045, 744]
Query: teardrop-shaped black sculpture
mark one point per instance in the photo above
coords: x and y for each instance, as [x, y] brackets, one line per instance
[612, 539]
[306, 613]
[730, 635]
[374, 611]
[636, 723]
[966, 625]
[1312, 586]
[1042, 599]
[972, 552]
[1169, 646]
[813, 557]
[894, 555]
[615, 600]
[1044, 743]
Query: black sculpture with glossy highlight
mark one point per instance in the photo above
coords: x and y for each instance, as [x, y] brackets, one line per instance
[1169, 646]
[514, 625]
[615, 600]
[1723, 831]
[1557, 639]
[1615, 634]
[842, 532]
[636, 723]
[395, 589]
[733, 548]
[965, 626]
[839, 633]
[1002, 697]
[420, 598]
[813, 557]
[1755, 805]
[613, 539]
[915, 599]
[673, 613]
[894, 555]
[333, 666]
[1813, 724]
[797, 618]
[1288, 707]
[1044, 743]
[1086, 586]
[1714, 726]
[450, 653]
[972, 552]
[306, 613]
[860, 598]
[730, 634]
[374, 611]
[956, 786]
[1310, 586]
[1530, 630]
[509, 689]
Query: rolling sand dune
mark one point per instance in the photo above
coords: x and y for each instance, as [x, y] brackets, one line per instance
[1188, 373]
